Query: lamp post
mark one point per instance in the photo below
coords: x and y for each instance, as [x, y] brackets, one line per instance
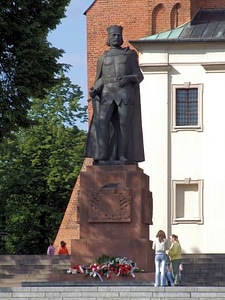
[3, 239]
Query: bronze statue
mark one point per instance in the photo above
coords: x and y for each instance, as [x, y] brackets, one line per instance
[115, 132]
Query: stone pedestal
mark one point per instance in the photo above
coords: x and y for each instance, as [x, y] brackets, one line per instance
[114, 212]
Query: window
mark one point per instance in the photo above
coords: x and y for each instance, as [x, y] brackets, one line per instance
[187, 107]
[187, 201]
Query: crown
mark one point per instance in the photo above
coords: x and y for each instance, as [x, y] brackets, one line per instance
[114, 28]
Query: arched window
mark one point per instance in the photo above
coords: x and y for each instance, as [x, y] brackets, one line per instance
[156, 19]
[174, 16]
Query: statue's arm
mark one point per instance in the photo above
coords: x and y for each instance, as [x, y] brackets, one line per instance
[137, 75]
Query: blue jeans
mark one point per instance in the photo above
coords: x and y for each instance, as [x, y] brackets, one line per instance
[169, 277]
[160, 265]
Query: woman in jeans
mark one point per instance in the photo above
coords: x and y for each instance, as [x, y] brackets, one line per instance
[160, 245]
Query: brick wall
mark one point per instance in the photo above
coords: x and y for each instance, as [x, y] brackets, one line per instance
[197, 4]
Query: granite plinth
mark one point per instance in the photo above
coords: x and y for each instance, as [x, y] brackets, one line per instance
[114, 212]
[140, 278]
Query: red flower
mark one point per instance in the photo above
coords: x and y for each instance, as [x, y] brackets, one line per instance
[104, 265]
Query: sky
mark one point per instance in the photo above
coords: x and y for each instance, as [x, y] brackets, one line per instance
[70, 36]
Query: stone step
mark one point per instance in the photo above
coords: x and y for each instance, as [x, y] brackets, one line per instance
[204, 269]
[23, 278]
[199, 269]
[34, 259]
[34, 269]
[112, 292]
[145, 278]
[15, 269]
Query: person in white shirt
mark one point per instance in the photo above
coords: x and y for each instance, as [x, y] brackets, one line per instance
[160, 245]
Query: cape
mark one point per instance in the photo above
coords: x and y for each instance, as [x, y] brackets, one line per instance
[135, 148]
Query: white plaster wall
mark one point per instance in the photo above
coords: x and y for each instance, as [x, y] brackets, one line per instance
[154, 101]
[183, 154]
[186, 156]
[214, 162]
[186, 146]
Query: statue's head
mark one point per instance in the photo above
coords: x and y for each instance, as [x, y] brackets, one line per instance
[115, 35]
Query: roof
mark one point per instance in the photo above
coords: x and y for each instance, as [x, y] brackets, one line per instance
[89, 7]
[208, 25]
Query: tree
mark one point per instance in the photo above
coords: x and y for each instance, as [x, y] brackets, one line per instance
[39, 167]
[28, 63]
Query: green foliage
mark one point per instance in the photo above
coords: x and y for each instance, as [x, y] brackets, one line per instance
[104, 258]
[28, 63]
[38, 170]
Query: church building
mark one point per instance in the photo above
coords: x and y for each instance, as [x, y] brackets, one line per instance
[182, 113]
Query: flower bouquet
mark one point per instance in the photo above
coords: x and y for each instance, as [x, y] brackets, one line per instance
[105, 265]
